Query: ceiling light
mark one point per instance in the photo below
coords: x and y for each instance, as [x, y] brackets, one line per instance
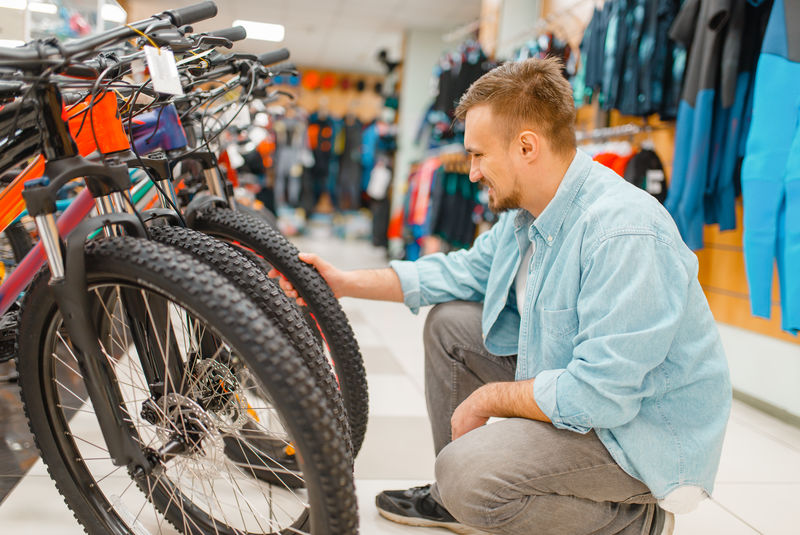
[114, 13]
[262, 30]
[11, 43]
[43, 7]
[13, 4]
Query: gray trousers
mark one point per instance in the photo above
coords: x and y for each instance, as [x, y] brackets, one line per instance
[517, 476]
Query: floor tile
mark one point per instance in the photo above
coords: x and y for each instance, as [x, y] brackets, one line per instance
[366, 334]
[380, 360]
[749, 456]
[395, 395]
[17, 450]
[711, 519]
[396, 448]
[767, 425]
[769, 508]
[35, 507]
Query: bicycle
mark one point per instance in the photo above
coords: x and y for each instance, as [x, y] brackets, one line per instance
[198, 387]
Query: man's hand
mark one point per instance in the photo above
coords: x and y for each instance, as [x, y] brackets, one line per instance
[504, 400]
[468, 415]
[335, 278]
[332, 276]
[378, 284]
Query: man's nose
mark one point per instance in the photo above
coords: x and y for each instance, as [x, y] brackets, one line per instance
[475, 174]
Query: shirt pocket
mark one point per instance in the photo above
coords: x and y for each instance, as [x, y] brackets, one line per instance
[560, 324]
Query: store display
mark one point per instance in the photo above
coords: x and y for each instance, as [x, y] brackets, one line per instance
[628, 61]
[195, 313]
[182, 365]
[454, 73]
[708, 134]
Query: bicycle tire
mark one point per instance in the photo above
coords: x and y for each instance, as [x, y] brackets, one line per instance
[264, 213]
[254, 234]
[279, 309]
[19, 240]
[15, 243]
[203, 293]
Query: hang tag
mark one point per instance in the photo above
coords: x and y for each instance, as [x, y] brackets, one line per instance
[654, 181]
[163, 70]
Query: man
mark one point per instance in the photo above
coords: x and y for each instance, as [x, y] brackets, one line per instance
[598, 351]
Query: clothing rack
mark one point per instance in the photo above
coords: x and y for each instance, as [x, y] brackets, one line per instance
[456, 162]
[551, 19]
[467, 30]
[625, 130]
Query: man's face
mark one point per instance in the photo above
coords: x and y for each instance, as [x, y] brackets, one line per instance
[491, 163]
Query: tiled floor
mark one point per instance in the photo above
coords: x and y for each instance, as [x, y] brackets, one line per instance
[757, 491]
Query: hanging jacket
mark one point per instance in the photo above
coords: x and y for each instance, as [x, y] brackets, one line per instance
[771, 169]
[699, 26]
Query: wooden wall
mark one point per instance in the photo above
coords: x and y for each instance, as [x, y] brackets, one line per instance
[366, 104]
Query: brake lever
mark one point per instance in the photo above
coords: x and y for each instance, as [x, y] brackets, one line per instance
[212, 41]
[278, 92]
[285, 72]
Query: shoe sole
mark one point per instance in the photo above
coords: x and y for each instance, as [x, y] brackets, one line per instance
[461, 529]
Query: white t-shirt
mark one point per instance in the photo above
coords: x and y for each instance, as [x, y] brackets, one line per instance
[681, 500]
[522, 277]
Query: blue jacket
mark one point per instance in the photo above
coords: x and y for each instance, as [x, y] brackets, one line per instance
[771, 170]
[615, 327]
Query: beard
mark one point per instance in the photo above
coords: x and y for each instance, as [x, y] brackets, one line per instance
[498, 204]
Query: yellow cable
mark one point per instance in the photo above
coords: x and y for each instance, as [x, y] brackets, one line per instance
[192, 52]
[145, 36]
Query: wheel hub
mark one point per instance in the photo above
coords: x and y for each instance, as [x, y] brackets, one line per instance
[219, 392]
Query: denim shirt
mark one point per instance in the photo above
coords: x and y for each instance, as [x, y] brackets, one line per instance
[615, 327]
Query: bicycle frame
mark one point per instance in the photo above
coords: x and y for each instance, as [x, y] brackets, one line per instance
[157, 129]
[104, 129]
[107, 185]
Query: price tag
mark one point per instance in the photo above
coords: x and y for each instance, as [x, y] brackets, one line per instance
[163, 71]
[654, 181]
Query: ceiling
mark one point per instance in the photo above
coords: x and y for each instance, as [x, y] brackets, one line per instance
[343, 35]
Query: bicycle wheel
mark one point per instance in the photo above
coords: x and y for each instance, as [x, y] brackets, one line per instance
[227, 373]
[15, 242]
[278, 308]
[264, 213]
[325, 314]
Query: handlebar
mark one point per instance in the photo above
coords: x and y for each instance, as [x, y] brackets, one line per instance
[191, 14]
[276, 56]
[35, 56]
[237, 33]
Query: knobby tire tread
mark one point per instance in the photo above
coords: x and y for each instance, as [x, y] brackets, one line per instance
[256, 234]
[183, 278]
[279, 309]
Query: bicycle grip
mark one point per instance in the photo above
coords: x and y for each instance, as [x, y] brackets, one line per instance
[237, 33]
[193, 13]
[276, 56]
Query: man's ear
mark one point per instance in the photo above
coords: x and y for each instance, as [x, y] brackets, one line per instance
[528, 144]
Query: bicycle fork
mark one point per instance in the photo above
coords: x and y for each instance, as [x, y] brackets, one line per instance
[69, 285]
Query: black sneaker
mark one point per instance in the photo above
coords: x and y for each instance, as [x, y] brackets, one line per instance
[416, 507]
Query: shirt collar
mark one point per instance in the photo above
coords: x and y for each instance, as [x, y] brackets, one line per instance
[549, 222]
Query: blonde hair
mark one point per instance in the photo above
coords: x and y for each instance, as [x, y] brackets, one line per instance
[527, 94]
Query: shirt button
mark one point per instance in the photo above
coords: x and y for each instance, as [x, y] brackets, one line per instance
[550, 239]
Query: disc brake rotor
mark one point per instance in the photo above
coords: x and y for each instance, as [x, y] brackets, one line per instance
[219, 392]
